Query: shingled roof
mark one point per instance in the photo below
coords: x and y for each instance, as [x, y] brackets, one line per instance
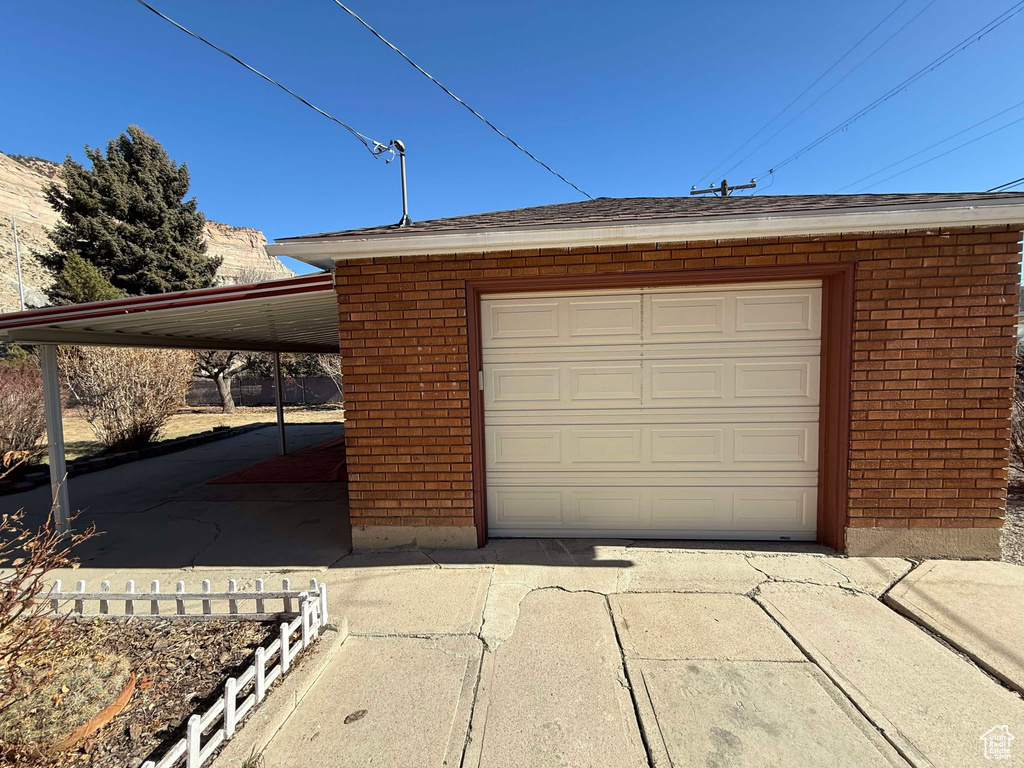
[605, 210]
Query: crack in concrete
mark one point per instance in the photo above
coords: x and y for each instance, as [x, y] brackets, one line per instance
[468, 741]
[941, 639]
[910, 759]
[772, 579]
[210, 543]
[914, 565]
[626, 682]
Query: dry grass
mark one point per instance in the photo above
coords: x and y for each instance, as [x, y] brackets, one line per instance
[180, 666]
[62, 692]
[80, 440]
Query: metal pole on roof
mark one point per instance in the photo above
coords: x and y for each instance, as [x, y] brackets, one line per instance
[282, 447]
[406, 221]
[55, 436]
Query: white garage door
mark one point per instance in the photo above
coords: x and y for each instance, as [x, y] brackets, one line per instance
[657, 412]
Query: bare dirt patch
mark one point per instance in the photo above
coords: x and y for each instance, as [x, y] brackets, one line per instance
[178, 666]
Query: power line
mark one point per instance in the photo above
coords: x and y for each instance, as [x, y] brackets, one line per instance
[961, 46]
[943, 154]
[932, 146]
[1007, 185]
[374, 147]
[782, 111]
[434, 80]
[834, 85]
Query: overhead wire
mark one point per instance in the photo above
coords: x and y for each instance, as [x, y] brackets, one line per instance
[943, 154]
[802, 93]
[834, 85]
[476, 114]
[1007, 185]
[374, 147]
[970, 40]
[932, 146]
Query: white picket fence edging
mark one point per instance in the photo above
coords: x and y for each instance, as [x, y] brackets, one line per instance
[241, 694]
[59, 600]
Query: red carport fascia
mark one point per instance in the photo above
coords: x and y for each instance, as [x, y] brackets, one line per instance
[201, 296]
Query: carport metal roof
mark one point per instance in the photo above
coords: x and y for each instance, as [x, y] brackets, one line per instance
[298, 314]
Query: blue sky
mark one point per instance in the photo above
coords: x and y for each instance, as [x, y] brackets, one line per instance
[624, 100]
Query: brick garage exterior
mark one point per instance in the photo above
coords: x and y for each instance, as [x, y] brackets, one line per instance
[934, 335]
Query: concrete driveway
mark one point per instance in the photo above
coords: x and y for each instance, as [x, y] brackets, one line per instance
[540, 653]
[162, 513]
[544, 653]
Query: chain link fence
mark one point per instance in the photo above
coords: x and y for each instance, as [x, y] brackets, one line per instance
[298, 390]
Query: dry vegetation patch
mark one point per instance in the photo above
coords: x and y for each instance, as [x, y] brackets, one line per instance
[178, 666]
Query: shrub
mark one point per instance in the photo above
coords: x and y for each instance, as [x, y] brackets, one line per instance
[128, 394]
[1017, 413]
[27, 558]
[22, 421]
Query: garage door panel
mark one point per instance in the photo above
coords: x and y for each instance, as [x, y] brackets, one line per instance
[686, 382]
[605, 507]
[602, 383]
[697, 508]
[791, 507]
[671, 445]
[505, 477]
[784, 382]
[637, 510]
[772, 313]
[555, 448]
[514, 323]
[690, 417]
[669, 352]
[526, 385]
[519, 321]
[515, 447]
[677, 412]
[737, 314]
[600, 318]
[678, 317]
[589, 446]
[525, 506]
[776, 382]
[782, 446]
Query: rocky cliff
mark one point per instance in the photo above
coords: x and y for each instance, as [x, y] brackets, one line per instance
[22, 180]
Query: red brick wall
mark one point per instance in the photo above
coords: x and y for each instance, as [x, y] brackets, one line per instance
[934, 339]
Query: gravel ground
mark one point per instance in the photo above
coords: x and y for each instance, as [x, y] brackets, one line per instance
[1013, 527]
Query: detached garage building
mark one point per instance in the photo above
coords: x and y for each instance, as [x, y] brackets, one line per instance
[831, 368]
[815, 367]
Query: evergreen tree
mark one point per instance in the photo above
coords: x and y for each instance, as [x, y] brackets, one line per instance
[127, 217]
[79, 281]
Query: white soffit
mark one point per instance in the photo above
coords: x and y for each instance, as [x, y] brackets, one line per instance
[329, 250]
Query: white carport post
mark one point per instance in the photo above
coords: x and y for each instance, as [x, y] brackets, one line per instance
[55, 436]
[282, 447]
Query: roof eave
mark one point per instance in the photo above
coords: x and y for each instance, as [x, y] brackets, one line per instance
[325, 252]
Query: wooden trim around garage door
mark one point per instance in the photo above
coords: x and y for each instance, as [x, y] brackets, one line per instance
[836, 355]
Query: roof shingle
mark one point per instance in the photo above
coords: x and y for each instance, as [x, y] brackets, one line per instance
[621, 209]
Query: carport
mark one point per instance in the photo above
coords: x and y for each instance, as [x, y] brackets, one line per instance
[294, 315]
